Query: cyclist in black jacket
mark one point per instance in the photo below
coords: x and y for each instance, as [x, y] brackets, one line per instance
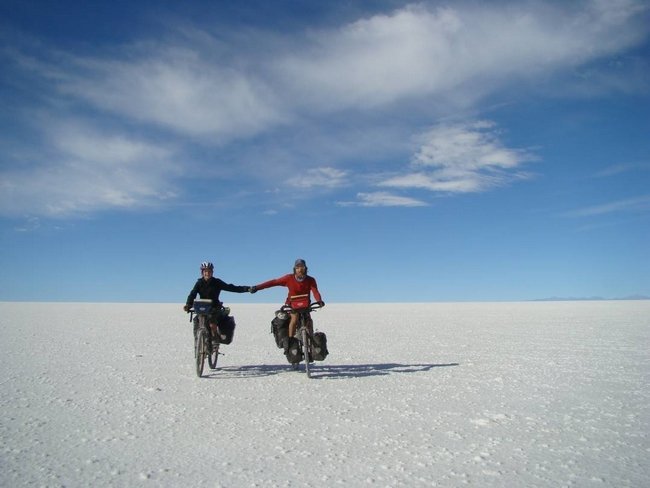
[210, 287]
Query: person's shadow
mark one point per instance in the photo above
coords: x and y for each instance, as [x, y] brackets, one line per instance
[323, 371]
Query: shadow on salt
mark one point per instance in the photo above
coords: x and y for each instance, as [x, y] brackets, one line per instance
[325, 371]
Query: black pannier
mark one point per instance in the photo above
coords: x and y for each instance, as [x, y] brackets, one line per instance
[294, 354]
[280, 327]
[319, 347]
[226, 329]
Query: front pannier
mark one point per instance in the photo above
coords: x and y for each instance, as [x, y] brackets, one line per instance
[280, 328]
[319, 346]
[294, 354]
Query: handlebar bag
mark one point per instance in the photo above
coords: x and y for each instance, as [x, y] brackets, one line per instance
[299, 302]
[202, 305]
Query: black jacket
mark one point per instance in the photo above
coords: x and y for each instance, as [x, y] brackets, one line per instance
[211, 289]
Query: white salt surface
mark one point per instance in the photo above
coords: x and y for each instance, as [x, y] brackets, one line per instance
[489, 394]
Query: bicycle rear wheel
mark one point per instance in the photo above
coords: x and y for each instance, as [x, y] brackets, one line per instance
[305, 350]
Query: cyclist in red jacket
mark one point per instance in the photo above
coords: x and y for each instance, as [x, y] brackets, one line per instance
[299, 284]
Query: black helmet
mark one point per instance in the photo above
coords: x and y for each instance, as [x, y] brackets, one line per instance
[300, 262]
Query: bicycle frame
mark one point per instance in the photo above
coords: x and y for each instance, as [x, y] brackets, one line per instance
[203, 346]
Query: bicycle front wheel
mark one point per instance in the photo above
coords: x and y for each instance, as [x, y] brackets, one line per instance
[200, 354]
[213, 357]
[200, 350]
[305, 350]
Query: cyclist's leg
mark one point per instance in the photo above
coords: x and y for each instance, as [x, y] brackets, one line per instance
[292, 324]
[215, 317]
[292, 331]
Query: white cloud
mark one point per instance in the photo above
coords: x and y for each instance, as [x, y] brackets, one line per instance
[458, 53]
[637, 204]
[179, 89]
[465, 147]
[383, 199]
[623, 168]
[461, 158]
[212, 88]
[461, 183]
[319, 177]
[217, 89]
[88, 171]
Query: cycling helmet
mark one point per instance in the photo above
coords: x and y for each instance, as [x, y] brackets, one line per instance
[207, 265]
[300, 262]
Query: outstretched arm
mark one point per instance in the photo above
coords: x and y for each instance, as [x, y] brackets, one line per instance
[268, 284]
[234, 288]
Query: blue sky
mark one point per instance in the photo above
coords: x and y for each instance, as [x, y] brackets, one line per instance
[412, 152]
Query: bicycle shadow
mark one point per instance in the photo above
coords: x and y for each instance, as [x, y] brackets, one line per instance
[365, 370]
[325, 371]
[248, 371]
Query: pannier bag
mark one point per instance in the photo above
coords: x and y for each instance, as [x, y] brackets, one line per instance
[226, 329]
[319, 346]
[294, 354]
[280, 327]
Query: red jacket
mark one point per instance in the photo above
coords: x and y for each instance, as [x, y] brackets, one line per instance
[304, 287]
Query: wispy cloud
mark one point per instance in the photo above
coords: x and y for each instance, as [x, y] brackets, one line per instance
[179, 89]
[208, 87]
[319, 177]
[461, 52]
[618, 169]
[418, 51]
[87, 171]
[383, 199]
[461, 158]
[637, 204]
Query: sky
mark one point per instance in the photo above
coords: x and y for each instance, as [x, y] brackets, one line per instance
[408, 151]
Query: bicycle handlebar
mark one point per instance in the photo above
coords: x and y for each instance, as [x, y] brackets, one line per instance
[193, 312]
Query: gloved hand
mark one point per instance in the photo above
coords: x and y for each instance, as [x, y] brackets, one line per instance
[186, 308]
[252, 289]
[320, 303]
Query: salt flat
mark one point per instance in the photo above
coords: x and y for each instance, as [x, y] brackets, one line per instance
[481, 394]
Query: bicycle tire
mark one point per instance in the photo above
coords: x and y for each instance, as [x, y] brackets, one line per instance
[200, 347]
[213, 357]
[305, 350]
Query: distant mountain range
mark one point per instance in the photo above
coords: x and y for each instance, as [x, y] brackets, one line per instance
[577, 299]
